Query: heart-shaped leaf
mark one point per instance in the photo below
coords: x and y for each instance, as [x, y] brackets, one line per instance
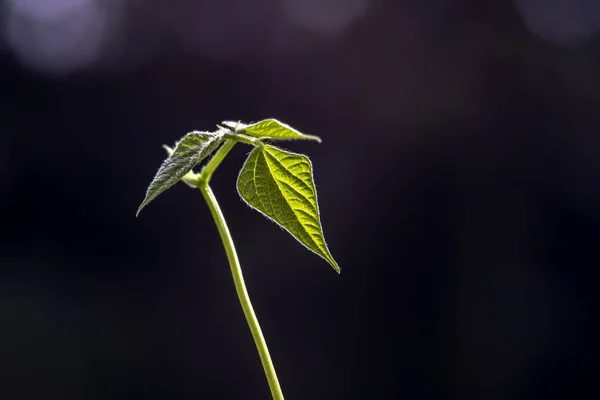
[279, 184]
[189, 152]
[270, 129]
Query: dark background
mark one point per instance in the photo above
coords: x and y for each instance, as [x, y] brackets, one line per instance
[458, 186]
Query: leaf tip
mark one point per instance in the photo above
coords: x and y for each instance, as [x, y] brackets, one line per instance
[137, 213]
[335, 266]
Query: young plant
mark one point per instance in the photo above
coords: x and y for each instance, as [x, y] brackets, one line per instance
[273, 181]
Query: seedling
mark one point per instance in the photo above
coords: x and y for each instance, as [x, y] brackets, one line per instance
[275, 182]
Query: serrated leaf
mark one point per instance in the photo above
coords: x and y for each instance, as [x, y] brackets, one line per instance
[279, 184]
[189, 152]
[270, 129]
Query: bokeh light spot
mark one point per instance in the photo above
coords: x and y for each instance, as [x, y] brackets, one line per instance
[325, 16]
[561, 22]
[56, 36]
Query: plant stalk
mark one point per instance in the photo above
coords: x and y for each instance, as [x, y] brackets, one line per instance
[236, 269]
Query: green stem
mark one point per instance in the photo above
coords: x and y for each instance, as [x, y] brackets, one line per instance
[236, 269]
[214, 162]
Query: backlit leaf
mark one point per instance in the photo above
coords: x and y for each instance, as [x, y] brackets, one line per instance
[270, 129]
[189, 152]
[279, 184]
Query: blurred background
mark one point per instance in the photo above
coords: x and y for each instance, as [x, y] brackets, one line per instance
[457, 178]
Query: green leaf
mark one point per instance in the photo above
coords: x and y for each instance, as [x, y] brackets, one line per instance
[189, 152]
[270, 129]
[279, 184]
